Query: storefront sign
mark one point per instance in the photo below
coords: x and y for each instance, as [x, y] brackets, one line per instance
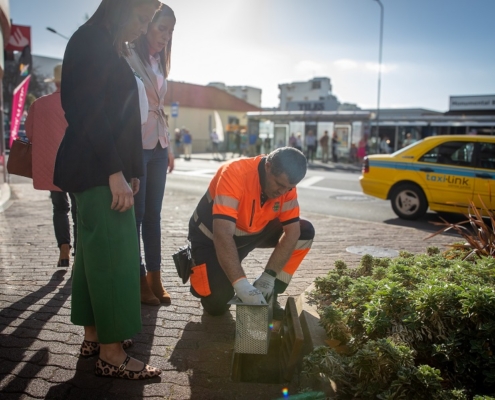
[20, 37]
[459, 103]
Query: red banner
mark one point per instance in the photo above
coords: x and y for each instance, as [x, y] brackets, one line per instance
[20, 37]
[20, 93]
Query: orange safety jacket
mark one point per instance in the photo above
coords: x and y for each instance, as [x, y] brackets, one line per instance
[235, 194]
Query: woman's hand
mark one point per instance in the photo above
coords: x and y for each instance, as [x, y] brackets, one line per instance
[122, 198]
[171, 162]
[135, 185]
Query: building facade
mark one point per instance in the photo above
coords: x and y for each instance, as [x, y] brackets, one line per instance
[249, 94]
[202, 109]
[313, 95]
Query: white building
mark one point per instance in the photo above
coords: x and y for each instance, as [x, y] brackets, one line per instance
[313, 95]
[249, 94]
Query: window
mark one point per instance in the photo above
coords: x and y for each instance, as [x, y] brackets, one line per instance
[487, 156]
[451, 153]
[315, 85]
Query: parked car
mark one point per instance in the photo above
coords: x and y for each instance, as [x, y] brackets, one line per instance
[443, 173]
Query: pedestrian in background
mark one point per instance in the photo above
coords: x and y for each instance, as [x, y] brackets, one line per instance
[408, 140]
[259, 142]
[215, 140]
[177, 142]
[298, 145]
[244, 142]
[267, 145]
[361, 149]
[324, 147]
[252, 137]
[310, 140]
[100, 154]
[385, 145]
[335, 145]
[237, 143]
[353, 154]
[149, 57]
[45, 128]
[292, 140]
[187, 143]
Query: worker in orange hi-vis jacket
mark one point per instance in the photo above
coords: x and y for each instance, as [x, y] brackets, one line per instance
[250, 203]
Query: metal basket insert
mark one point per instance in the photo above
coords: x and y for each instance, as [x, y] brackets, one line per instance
[252, 327]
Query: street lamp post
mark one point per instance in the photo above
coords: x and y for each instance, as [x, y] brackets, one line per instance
[56, 33]
[379, 77]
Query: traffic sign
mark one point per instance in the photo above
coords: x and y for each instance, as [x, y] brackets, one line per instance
[174, 108]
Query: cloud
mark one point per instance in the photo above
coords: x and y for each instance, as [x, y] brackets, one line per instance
[308, 66]
[346, 64]
[386, 68]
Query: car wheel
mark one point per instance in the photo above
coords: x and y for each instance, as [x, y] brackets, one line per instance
[409, 201]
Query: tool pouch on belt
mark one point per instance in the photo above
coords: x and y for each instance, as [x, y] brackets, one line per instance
[183, 262]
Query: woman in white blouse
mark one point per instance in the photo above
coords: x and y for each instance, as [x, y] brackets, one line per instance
[150, 60]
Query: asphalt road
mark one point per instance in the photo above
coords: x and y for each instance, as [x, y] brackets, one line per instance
[336, 193]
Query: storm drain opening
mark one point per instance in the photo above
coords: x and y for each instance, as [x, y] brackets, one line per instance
[283, 350]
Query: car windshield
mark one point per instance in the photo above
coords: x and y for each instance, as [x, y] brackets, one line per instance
[406, 148]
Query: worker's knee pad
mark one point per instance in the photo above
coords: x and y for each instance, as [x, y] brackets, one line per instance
[307, 230]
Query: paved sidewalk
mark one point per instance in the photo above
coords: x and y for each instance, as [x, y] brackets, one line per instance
[39, 346]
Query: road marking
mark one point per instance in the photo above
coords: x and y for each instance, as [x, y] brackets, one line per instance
[305, 184]
[324, 189]
[310, 181]
[200, 172]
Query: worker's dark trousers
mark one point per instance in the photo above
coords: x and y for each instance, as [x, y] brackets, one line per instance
[209, 282]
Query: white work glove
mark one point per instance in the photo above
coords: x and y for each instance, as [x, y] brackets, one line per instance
[265, 283]
[248, 293]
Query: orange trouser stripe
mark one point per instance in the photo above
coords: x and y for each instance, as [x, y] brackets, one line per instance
[295, 260]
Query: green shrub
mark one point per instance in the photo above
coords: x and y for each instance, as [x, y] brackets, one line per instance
[415, 327]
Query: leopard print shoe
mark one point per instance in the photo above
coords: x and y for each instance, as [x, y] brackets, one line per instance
[90, 349]
[105, 369]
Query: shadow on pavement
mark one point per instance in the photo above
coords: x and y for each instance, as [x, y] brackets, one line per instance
[14, 344]
[205, 351]
[425, 223]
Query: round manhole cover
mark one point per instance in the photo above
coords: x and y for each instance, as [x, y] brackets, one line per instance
[374, 251]
[349, 197]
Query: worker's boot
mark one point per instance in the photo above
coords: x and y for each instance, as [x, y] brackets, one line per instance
[155, 283]
[147, 296]
[64, 257]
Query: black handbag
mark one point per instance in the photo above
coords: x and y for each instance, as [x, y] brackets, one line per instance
[183, 262]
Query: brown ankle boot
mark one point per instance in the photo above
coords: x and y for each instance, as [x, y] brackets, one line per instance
[64, 257]
[155, 283]
[147, 296]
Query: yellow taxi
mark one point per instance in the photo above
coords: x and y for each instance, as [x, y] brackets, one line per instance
[440, 172]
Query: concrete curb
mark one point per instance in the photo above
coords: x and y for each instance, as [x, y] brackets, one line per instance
[5, 193]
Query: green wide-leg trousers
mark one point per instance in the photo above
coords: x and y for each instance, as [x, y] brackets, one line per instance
[105, 279]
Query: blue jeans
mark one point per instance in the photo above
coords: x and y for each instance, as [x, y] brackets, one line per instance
[148, 205]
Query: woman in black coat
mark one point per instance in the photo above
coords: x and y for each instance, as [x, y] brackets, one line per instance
[100, 161]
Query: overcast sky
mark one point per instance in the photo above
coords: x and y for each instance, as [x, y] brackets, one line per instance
[431, 48]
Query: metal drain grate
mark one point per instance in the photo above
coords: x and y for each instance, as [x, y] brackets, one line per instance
[292, 340]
